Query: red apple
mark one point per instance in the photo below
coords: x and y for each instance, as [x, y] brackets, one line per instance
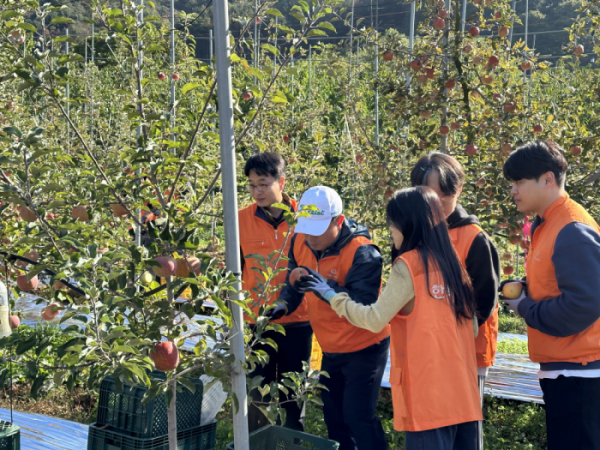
[165, 356]
[508, 270]
[474, 31]
[430, 73]
[526, 65]
[32, 255]
[425, 114]
[27, 214]
[15, 33]
[286, 139]
[477, 60]
[359, 158]
[450, 83]
[118, 210]
[51, 311]
[167, 266]
[509, 107]
[503, 31]
[388, 55]
[468, 48]
[454, 126]
[247, 95]
[422, 78]
[487, 79]
[25, 285]
[175, 76]
[14, 322]
[423, 144]
[471, 150]
[575, 150]
[439, 23]
[444, 130]
[578, 50]
[161, 76]
[80, 213]
[58, 286]
[480, 183]
[416, 64]
[538, 129]
[443, 13]
[296, 274]
[182, 269]
[493, 61]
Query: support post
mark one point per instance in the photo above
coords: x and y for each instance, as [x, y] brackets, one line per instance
[231, 225]
[173, 71]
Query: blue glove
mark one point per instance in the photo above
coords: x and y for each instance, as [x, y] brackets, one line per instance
[317, 284]
[277, 311]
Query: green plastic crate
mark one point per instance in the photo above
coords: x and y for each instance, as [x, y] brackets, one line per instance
[278, 438]
[196, 438]
[10, 436]
[125, 412]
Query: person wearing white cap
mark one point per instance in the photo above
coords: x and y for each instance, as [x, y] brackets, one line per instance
[340, 252]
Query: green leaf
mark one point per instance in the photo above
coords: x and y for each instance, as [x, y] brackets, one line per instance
[274, 12]
[327, 25]
[315, 32]
[189, 86]
[62, 20]
[10, 14]
[279, 97]
[153, 48]
[271, 48]
[27, 26]
[189, 384]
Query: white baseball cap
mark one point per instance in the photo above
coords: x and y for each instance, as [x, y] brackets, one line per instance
[328, 205]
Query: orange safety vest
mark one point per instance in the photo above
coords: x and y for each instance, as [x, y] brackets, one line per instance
[259, 237]
[582, 347]
[434, 369]
[335, 334]
[486, 341]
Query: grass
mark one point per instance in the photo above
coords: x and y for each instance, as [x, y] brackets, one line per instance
[511, 324]
[514, 345]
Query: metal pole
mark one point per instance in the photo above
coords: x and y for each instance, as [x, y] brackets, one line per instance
[510, 35]
[464, 16]
[444, 140]
[140, 18]
[210, 46]
[230, 213]
[526, 31]
[376, 91]
[411, 35]
[67, 93]
[350, 55]
[173, 72]
[256, 49]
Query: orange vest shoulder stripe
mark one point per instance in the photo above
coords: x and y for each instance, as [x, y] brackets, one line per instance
[335, 334]
[434, 368]
[541, 285]
[259, 237]
[486, 341]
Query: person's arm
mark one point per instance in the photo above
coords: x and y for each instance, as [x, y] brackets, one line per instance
[576, 260]
[290, 296]
[483, 267]
[398, 292]
[363, 280]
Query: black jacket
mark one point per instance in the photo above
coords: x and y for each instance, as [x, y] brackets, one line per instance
[363, 280]
[482, 264]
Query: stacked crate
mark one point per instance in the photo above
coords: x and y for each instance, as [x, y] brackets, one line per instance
[125, 423]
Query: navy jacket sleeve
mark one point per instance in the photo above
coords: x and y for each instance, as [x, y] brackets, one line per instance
[483, 267]
[288, 294]
[363, 280]
[576, 260]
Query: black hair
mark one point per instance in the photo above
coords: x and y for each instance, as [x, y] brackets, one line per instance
[417, 213]
[266, 163]
[452, 175]
[534, 159]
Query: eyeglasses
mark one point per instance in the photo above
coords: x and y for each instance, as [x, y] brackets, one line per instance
[259, 188]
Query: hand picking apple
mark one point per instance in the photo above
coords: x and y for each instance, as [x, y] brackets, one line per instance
[513, 291]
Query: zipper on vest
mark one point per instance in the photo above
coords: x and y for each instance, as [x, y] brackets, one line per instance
[275, 233]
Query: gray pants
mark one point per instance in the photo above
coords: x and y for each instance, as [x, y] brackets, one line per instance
[481, 382]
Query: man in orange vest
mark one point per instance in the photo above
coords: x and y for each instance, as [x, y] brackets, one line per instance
[262, 231]
[339, 252]
[444, 175]
[562, 303]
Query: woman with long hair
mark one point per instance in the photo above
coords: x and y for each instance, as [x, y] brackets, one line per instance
[429, 302]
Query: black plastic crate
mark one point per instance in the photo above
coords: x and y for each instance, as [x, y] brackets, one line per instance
[125, 412]
[278, 438]
[10, 436]
[196, 438]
